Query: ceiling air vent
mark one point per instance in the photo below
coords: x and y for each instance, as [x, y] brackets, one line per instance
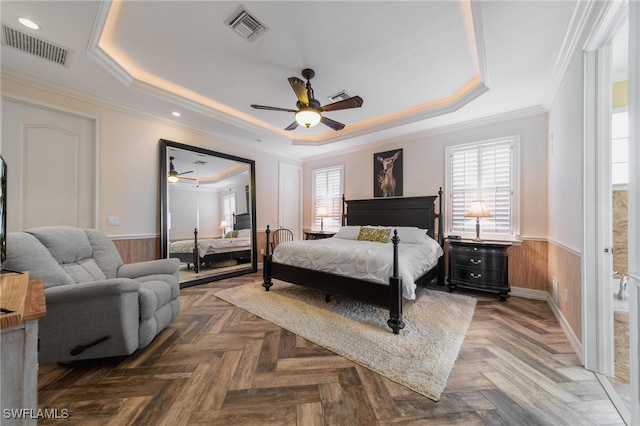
[340, 96]
[36, 46]
[245, 24]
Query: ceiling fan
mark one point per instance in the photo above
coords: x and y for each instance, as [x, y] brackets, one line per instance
[309, 112]
[173, 174]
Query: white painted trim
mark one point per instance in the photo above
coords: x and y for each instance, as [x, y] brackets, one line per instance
[133, 236]
[569, 46]
[436, 131]
[634, 208]
[597, 306]
[572, 250]
[568, 331]
[124, 108]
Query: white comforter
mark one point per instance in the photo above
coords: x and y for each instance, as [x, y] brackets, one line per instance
[216, 245]
[364, 260]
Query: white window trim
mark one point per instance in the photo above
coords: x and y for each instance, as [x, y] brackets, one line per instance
[514, 235]
[313, 195]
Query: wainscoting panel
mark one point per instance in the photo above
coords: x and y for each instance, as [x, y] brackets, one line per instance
[566, 266]
[138, 249]
[528, 265]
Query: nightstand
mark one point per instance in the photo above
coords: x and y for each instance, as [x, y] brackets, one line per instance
[318, 235]
[479, 265]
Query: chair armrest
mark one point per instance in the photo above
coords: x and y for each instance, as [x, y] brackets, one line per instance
[76, 292]
[151, 267]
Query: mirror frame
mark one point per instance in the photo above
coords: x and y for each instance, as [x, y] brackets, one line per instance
[164, 209]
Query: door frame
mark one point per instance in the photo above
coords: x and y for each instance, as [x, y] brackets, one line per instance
[597, 299]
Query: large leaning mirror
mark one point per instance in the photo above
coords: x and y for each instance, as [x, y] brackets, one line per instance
[207, 212]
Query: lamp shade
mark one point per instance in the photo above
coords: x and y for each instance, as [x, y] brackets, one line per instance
[478, 209]
[224, 224]
[322, 211]
[308, 117]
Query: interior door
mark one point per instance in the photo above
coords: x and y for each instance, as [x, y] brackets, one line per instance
[289, 199]
[50, 160]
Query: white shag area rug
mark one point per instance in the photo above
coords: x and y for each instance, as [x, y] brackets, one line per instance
[421, 357]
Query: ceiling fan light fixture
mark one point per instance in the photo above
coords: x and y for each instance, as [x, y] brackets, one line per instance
[173, 177]
[308, 117]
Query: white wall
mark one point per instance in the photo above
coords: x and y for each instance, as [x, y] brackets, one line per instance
[424, 165]
[565, 160]
[128, 160]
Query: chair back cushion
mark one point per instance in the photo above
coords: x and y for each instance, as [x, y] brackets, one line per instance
[70, 247]
[26, 253]
[105, 252]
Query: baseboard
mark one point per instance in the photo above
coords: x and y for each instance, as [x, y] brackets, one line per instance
[528, 293]
[564, 324]
[576, 344]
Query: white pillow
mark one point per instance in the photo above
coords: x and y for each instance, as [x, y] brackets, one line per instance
[348, 233]
[411, 234]
[244, 233]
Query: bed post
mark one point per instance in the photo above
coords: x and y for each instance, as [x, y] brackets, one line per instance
[395, 291]
[440, 276]
[196, 258]
[266, 264]
[344, 211]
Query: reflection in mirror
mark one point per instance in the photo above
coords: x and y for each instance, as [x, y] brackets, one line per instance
[207, 212]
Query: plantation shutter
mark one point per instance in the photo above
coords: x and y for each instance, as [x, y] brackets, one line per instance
[327, 193]
[228, 208]
[482, 172]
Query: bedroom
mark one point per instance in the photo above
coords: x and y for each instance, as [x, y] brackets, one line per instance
[127, 153]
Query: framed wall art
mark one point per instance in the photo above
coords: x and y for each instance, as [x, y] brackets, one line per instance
[387, 173]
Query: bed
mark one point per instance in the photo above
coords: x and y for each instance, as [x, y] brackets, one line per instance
[390, 212]
[217, 251]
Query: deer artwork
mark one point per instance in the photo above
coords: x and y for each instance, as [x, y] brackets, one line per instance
[385, 178]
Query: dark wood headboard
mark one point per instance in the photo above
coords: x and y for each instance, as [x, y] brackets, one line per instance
[400, 211]
[242, 221]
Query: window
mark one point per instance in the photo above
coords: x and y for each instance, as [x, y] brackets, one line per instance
[484, 171]
[620, 149]
[327, 193]
[228, 208]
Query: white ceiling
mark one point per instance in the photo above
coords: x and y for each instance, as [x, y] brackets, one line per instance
[418, 65]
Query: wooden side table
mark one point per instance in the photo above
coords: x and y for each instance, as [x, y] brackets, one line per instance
[479, 265]
[19, 342]
[318, 235]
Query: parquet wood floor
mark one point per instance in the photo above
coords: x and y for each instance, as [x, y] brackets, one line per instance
[219, 365]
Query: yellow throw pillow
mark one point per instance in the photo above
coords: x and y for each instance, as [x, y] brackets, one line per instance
[231, 234]
[378, 235]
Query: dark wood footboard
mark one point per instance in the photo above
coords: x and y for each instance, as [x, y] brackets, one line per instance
[396, 211]
[383, 295]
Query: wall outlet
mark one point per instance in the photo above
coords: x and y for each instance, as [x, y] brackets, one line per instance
[566, 295]
[113, 220]
[554, 290]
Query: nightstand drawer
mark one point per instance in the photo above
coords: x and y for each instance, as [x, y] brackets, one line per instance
[478, 275]
[481, 260]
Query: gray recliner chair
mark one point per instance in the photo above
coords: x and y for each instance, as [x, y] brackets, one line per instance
[96, 306]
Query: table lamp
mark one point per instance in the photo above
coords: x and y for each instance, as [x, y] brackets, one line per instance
[322, 212]
[478, 210]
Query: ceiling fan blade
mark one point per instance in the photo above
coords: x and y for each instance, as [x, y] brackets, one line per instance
[300, 88]
[184, 173]
[292, 126]
[270, 108]
[332, 123]
[355, 102]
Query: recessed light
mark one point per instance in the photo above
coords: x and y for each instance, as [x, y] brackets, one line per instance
[176, 114]
[29, 23]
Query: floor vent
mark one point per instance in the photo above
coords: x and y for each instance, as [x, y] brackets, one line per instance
[340, 96]
[36, 46]
[245, 24]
